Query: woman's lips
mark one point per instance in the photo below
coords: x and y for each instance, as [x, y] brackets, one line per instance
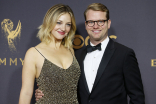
[62, 33]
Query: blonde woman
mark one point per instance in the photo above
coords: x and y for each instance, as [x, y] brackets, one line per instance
[52, 62]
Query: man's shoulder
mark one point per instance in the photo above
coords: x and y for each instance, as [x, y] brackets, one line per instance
[123, 50]
[121, 46]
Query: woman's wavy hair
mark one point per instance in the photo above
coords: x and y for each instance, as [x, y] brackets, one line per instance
[50, 21]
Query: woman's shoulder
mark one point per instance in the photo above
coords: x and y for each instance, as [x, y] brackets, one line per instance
[34, 51]
[31, 52]
[40, 46]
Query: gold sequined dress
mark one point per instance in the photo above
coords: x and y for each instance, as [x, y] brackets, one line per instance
[58, 85]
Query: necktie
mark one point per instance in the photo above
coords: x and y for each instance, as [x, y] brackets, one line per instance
[93, 48]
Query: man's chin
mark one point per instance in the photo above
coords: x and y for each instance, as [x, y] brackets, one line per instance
[96, 39]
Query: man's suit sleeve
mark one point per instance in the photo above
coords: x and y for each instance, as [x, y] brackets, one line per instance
[132, 79]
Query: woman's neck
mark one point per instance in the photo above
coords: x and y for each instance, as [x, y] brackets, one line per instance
[56, 44]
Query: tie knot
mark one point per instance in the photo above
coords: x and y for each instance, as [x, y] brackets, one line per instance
[93, 48]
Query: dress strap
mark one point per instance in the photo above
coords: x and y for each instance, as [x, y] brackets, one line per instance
[71, 53]
[39, 52]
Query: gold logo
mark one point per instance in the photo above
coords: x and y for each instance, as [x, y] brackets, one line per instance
[113, 36]
[153, 62]
[86, 40]
[12, 61]
[10, 34]
[79, 41]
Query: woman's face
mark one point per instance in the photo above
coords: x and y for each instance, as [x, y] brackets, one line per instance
[62, 27]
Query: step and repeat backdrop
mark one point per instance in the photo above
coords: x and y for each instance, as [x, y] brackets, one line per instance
[133, 24]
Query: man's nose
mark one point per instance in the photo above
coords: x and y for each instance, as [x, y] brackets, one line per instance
[95, 25]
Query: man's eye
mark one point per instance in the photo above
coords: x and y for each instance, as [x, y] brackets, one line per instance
[100, 21]
[90, 22]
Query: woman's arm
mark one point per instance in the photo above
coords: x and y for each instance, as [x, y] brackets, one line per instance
[28, 77]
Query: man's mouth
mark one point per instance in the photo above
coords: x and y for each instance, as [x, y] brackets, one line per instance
[96, 31]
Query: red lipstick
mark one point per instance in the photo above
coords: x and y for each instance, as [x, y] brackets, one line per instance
[62, 33]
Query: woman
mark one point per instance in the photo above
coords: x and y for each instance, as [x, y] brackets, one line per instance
[52, 62]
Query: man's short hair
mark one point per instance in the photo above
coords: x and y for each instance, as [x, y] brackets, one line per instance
[97, 7]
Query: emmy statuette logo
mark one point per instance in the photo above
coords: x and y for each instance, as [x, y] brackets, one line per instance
[10, 34]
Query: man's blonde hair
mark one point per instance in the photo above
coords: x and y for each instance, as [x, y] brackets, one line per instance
[97, 7]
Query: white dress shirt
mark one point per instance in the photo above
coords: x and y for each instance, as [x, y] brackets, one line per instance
[92, 62]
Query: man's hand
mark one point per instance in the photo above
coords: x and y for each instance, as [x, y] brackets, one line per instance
[38, 94]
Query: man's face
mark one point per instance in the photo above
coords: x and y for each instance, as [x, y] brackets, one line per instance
[97, 33]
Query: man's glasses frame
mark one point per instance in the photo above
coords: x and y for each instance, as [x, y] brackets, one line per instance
[91, 23]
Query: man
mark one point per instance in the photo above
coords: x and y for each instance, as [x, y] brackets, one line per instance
[109, 70]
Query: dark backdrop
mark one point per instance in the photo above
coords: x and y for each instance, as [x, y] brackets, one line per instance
[133, 24]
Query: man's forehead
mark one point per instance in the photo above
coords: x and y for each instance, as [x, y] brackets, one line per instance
[95, 15]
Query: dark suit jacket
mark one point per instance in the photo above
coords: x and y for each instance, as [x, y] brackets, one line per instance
[118, 76]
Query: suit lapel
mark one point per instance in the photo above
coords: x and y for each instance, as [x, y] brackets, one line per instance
[104, 61]
[82, 69]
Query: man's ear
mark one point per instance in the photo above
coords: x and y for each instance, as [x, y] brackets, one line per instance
[109, 23]
[85, 24]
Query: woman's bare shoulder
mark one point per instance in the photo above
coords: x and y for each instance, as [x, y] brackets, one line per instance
[31, 53]
[40, 46]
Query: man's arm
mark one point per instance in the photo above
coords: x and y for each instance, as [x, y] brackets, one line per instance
[132, 78]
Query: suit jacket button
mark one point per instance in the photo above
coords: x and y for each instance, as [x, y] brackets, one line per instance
[90, 100]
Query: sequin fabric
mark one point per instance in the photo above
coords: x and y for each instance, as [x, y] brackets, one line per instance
[58, 85]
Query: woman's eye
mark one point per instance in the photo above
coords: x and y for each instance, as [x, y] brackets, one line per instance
[58, 22]
[68, 24]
